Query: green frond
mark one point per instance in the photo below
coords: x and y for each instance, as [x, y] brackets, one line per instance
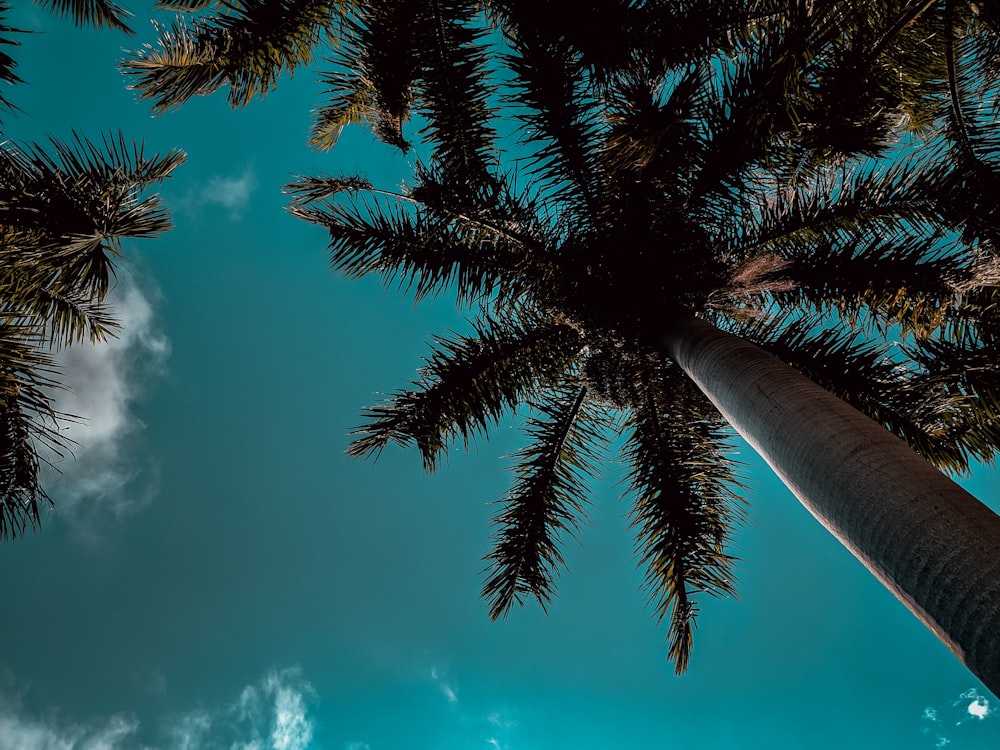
[422, 253]
[684, 505]
[655, 129]
[248, 49]
[97, 13]
[7, 63]
[305, 190]
[554, 103]
[546, 502]
[377, 66]
[193, 5]
[348, 106]
[968, 372]
[63, 213]
[852, 202]
[892, 281]
[27, 427]
[466, 386]
[455, 91]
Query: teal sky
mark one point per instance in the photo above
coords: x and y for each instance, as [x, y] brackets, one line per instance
[218, 574]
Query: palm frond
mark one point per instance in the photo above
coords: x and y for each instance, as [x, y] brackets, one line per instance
[376, 68]
[684, 505]
[466, 386]
[7, 63]
[27, 427]
[193, 5]
[97, 13]
[455, 92]
[553, 101]
[422, 253]
[547, 500]
[63, 214]
[248, 49]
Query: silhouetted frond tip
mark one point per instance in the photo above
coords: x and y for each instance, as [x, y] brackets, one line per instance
[546, 502]
[685, 505]
[97, 13]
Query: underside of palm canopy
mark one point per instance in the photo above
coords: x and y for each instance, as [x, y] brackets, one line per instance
[812, 177]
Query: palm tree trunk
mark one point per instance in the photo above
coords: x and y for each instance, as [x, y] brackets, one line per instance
[931, 543]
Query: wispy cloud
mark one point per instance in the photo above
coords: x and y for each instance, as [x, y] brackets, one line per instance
[941, 722]
[293, 729]
[447, 690]
[269, 714]
[188, 731]
[101, 385]
[20, 732]
[231, 192]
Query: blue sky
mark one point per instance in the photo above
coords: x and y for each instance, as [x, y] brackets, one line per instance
[218, 574]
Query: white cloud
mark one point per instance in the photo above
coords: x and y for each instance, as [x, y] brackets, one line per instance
[447, 690]
[21, 732]
[357, 746]
[101, 384]
[940, 722]
[188, 731]
[270, 714]
[231, 192]
[500, 721]
[979, 707]
[292, 727]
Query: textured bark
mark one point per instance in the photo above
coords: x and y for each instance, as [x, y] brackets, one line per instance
[935, 546]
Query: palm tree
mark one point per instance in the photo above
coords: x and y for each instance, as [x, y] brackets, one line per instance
[63, 216]
[583, 323]
[646, 154]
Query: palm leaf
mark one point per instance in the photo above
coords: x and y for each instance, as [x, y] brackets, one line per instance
[248, 49]
[422, 252]
[546, 501]
[27, 427]
[466, 385]
[97, 13]
[684, 507]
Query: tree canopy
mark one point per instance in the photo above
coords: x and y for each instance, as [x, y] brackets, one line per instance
[65, 209]
[810, 176]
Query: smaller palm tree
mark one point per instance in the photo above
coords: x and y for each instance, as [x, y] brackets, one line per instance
[64, 213]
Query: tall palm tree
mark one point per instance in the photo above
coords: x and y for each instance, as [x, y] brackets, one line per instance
[650, 234]
[63, 215]
[647, 154]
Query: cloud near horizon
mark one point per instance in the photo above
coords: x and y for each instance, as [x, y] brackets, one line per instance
[27, 733]
[270, 714]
